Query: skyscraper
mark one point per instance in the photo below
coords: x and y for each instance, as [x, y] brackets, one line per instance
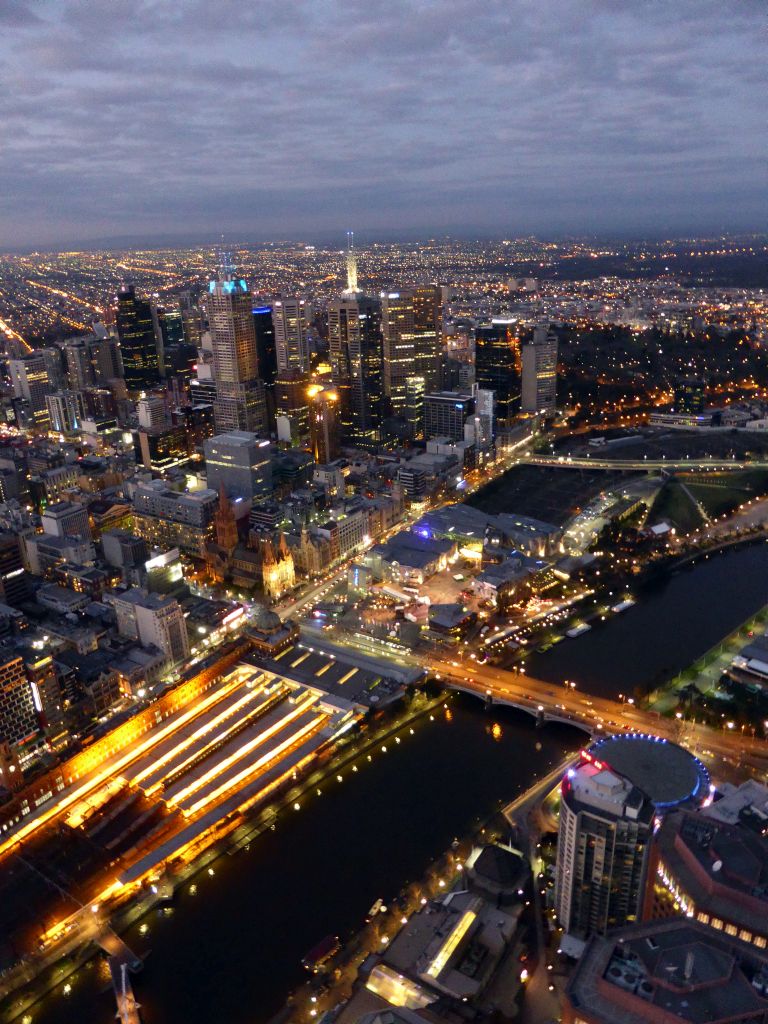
[498, 366]
[239, 401]
[291, 315]
[412, 343]
[239, 462]
[267, 357]
[355, 347]
[324, 424]
[540, 373]
[29, 376]
[139, 343]
[609, 804]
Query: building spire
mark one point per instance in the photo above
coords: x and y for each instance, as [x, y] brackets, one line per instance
[351, 263]
[226, 264]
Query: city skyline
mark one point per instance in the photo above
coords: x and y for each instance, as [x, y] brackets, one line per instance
[162, 122]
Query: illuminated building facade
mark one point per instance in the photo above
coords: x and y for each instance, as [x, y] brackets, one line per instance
[19, 704]
[355, 345]
[324, 424]
[291, 316]
[239, 462]
[539, 360]
[240, 401]
[31, 383]
[66, 411]
[412, 344]
[167, 519]
[498, 367]
[712, 871]
[292, 407]
[139, 342]
[609, 806]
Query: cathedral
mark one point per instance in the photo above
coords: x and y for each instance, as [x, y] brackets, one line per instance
[265, 562]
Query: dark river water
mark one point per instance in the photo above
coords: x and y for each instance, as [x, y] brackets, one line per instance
[231, 953]
[676, 619]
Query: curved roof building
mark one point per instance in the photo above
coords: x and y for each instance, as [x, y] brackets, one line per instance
[668, 774]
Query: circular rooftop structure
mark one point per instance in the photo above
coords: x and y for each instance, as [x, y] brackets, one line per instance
[668, 774]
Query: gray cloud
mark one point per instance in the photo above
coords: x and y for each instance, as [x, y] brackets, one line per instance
[291, 117]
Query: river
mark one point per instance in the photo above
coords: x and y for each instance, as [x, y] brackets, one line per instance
[676, 619]
[231, 953]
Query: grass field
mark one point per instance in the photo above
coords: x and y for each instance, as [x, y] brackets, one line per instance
[674, 505]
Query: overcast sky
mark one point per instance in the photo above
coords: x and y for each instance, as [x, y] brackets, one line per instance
[302, 118]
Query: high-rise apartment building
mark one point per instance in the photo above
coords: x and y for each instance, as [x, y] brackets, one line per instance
[605, 827]
[412, 344]
[140, 345]
[608, 809]
[539, 361]
[355, 348]
[167, 519]
[291, 315]
[241, 463]
[239, 401]
[31, 383]
[498, 366]
[66, 411]
[154, 620]
[80, 372]
[19, 704]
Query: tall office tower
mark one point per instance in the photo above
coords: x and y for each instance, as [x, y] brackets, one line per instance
[54, 362]
[498, 367]
[292, 407]
[355, 347]
[446, 413]
[478, 429]
[105, 359]
[29, 376]
[265, 343]
[240, 403]
[324, 424]
[540, 373]
[66, 410]
[291, 316]
[80, 371]
[412, 342]
[190, 317]
[180, 367]
[351, 288]
[239, 462]
[267, 355]
[171, 325]
[139, 344]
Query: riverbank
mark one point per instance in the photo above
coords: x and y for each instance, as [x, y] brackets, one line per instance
[678, 615]
[321, 868]
[21, 997]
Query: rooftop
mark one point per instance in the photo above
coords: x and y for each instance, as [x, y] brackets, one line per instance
[667, 773]
[670, 970]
